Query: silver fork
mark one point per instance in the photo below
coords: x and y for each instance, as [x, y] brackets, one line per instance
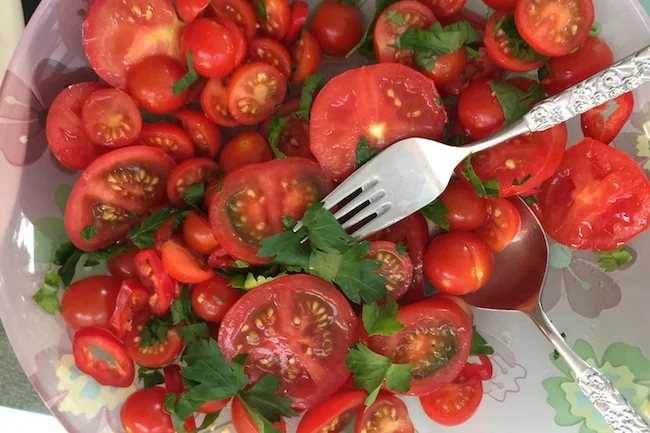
[413, 172]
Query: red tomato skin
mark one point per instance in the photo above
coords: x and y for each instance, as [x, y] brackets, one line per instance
[243, 422]
[501, 5]
[272, 52]
[241, 12]
[340, 405]
[299, 12]
[188, 173]
[155, 356]
[213, 406]
[480, 111]
[481, 371]
[170, 138]
[183, 265]
[444, 8]
[197, 234]
[105, 104]
[154, 277]
[188, 10]
[237, 36]
[212, 47]
[90, 301]
[150, 84]
[447, 67]
[242, 98]
[502, 225]
[245, 148]
[402, 424]
[131, 300]
[382, 251]
[120, 375]
[466, 210]
[594, 125]
[295, 138]
[214, 102]
[494, 45]
[454, 404]
[306, 54]
[213, 298]
[122, 266]
[278, 15]
[337, 27]
[143, 412]
[203, 132]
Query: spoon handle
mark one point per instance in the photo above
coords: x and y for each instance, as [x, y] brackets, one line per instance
[618, 413]
[608, 84]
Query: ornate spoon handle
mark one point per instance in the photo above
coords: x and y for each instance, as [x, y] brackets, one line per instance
[608, 84]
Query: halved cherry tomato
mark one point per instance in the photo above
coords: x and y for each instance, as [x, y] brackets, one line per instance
[212, 47]
[143, 412]
[113, 192]
[444, 8]
[174, 384]
[295, 137]
[384, 103]
[270, 51]
[465, 210]
[158, 354]
[299, 13]
[481, 371]
[338, 27]
[118, 372]
[197, 234]
[396, 268]
[387, 414]
[598, 199]
[596, 126]
[211, 299]
[502, 225]
[501, 5]
[188, 10]
[214, 102]
[166, 232]
[498, 45]
[245, 148]
[476, 20]
[132, 298]
[65, 135]
[118, 35]
[150, 84]
[306, 54]
[458, 263]
[188, 173]
[447, 67]
[183, 265]
[204, 133]
[243, 422]
[241, 12]
[121, 266]
[333, 414]
[111, 118]
[454, 404]
[154, 277]
[275, 21]
[212, 189]
[479, 110]
[416, 15]
[254, 91]
[170, 138]
[237, 36]
[213, 406]
[309, 359]
[254, 199]
[90, 301]
[555, 27]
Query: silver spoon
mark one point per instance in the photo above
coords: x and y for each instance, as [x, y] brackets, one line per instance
[519, 288]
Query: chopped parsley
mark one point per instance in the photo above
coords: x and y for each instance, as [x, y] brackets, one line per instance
[381, 319]
[364, 153]
[436, 211]
[611, 260]
[484, 189]
[188, 79]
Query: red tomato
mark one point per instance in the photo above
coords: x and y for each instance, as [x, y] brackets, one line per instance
[275, 21]
[333, 414]
[121, 266]
[396, 268]
[306, 55]
[237, 36]
[454, 404]
[204, 133]
[213, 406]
[241, 12]
[502, 225]
[118, 35]
[158, 354]
[166, 232]
[478, 68]
[479, 110]
[143, 412]
[270, 51]
[478, 21]
[598, 199]
[309, 359]
[254, 199]
[150, 84]
[170, 138]
[299, 12]
[436, 341]
[386, 31]
[65, 135]
[245, 148]
[444, 8]
[174, 384]
[387, 414]
[384, 103]
[481, 371]
[111, 118]
[187, 174]
[113, 191]
[243, 422]
[214, 102]
[497, 44]
[465, 210]
[188, 10]
[501, 5]
[563, 72]
[90, 302]
[458, 263]
[211, 299]
[212, 47]
[338, 27]
[596, 126]
[152, 274]
[132, 298]
[295, 137]
[219, 259]
[552, 27]
[447, 67]
[212, 189]
[183, 265]
[118, 371]
[254, 91]
[197, 234]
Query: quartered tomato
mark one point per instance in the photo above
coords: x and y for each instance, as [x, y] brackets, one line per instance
[436, 341]
[270, 51]
[295, 137]
[166, 232]
[396, 268]
[204, 133]
[333, 414]
[132, 298]
[144, 412]
[598, 199]
[296, 327]
[387, 414]
[465, 210]
[338, 27]
[212, 47]
[187, 174]
[254, 199]
[502, 225]
[154, 277]
[498, 35]
[184, 265]
[214, 102]
[121, 266]
[237, 36]
[555, 27]
[211, 299]
[275, 21]
[113, 193]
[384, 103]
[254, 91]
[454, 404]
[239, 11]
[118, 35]
[416, 15]
[150, 84]
[479, 110]
[90, 301]
[65, 135]
[245, 148]
[111, 118]
[243, 422]
[170, 138]
[299, 13]
[306, 55]
[116, 370]
[188, 10]
[156, 355]
[197, 234]
[599, 125]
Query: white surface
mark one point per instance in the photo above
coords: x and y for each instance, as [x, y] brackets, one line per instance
[18, 421]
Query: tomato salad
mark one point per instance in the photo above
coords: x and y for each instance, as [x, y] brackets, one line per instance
[216, 297]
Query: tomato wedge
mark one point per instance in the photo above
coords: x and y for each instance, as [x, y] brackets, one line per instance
[295, 137]
[170, 138]
[396, 267]
[454, 404]
[276, 324]
[202, 131]
[270, 51]
[299, 12]
[502, 225]
[481, 371]
[184, 265]
[276, 18]
[111, 118]
[156, 355]
[119, 372]
[211, 299]
[132, 298]
[387, 414]
[150, 83]
[306, 54]
[243, 422]
[333, 414]
[189, 173]
[498, 45]
[384, 103]
[596, 126]
[154, 277]
[197, 234]
[247, 147]
[214, 102]
[239, 11]
[254, 91]
[188, 10]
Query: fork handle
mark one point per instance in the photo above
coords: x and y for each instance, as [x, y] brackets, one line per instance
[608, 84]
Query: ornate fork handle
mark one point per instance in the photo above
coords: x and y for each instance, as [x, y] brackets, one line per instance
[608, 84]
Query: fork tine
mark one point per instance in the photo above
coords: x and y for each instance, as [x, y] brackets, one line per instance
[368, 195]
[379, 207]
[381, 222]
[347, 188]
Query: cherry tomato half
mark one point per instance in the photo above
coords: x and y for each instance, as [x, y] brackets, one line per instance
[132, 298]
[212, 47]
[204, 133]
[188, 10]
[150, 84]
[90, 301]
[111, 118]
[454, 404]
[499, 48]
[299, 13]
[502, 225]
[241, 12]
[170, 138]
[270, 51]
[197, 234]
[396, 268]
[333, 414]
[154, 277]
[254, 91]
[387, 412]
[144, 412]
[245, 148]
[211, 299]
[184, 265]
[306, 54]
[214, 102]
[156, 355]
[189, 173]
[122, 266]
[275, 21]
[118, 372]
[465, 210]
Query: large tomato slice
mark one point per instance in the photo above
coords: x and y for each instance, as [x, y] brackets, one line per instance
[598, 200]
[383, 103]
[113, 194]
[387, 414]
[254, 199]
[298, 328]
[333, 414]
[120, 34]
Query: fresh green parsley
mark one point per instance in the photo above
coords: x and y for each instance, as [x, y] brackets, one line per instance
[150, 377]
[194, 333]
[276, 129]
[484, 189]
[154, 332]
[381, 319]
[396, 18]
[188, 79]
[596, 29]
[89, 232]
[288, 223]
[611, 260]
[401, 249]
[364, 152]
[365, 43]
[436, 211]
[193, 196]
[515, 102]
[263, 398]
[260, 8]
[96, 257]
[310, 87]
[67, 256]
[526, 178]
[181, 309]
[531, 200]
[142, 234]
[479, 344]
[519, 48]
[250, 281]
[555, 354]
[47, 296]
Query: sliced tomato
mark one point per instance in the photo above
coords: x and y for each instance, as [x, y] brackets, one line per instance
[170, 138]
[416, 15]
[203, 132]
[596, 126]
[239, 11]
[598, 199]
[212, 47]
[477, 68]
[118, 35]
[184, 265]
[245, 148]
[213, 406]
[299, 13]
[212, 189]
[156, 355]
[454, 404]
[214, 102]
[150, 84]
[113, 193]
[243, 422]
[387, 414]
[481, 371]
[188, 10]
[254, 91]
[237, 36]
[187, 174]
[197, 234]
[144, 412]
[383, 103]
[436, 341]
[502, 225]
[270, 51]
[121, 266]
[117, 371]
[132, 298]
[497, 42]
[166, 232]
[501, 5]
[295, 137]
[445, 8]
[396, 268]
[276, 19]
[90, 301]
[254, 199]
[465, 210]
[211, 299]
[111, 118]
[154, 277]
[306, 55]
[333, 414]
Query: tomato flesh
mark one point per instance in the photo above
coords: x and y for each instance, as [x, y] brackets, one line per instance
[270, 51]
[306, 54]
[111, 118]
[188, 10]
[454, 404]
[498, 46]
[154, 277]
[502, 225]
[183, 265]
[386, 414]
[299, 12]
[333, 414]
[150, 84]
[170, 138]
[276, 22]
[245, 148]
[239, 11]
[212, 47]
[254, 91]
[197, 234]
[295, 137]
[214, 102]
[119, 372]
[156, 355]
[132, 298]
[90, 302]
[396, 268]
[185, 175]
[596, 126]
[204, 133]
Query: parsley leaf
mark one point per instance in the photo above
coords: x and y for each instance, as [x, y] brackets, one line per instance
[325, 265]
[64, 252]
[181, 309]
[260, 8]
[193, 196]
[250, 281]
[89, 232]
[366, 39]
[150, 376]
[531, 200]
[364, 152]
[556, 355]
[611, 260]
[526, 178]
[489, 188]
[288, 222]
[287, 249]
[401, 249]
[142, 234]
[515, 102]
[596, 29]
[396, 18]
[381, 320]
[518, 47]
[263, 425]
[309, 88]
[276, 129]
[188, 79]
[262, 396]
[324, 231]
[479, 344]
[194, 333]
[436, 212]
[47, 296]
[67, 270]
[358, 277]
[95, 257]
[154, 332]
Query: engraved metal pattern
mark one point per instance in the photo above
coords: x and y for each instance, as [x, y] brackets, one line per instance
[623, 77]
